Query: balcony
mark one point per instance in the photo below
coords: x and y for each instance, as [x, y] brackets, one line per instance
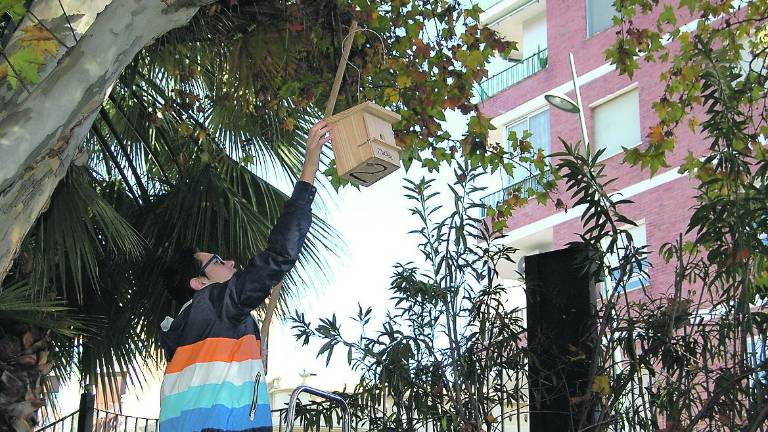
[523, 188]
[513, 74]
[487, 4]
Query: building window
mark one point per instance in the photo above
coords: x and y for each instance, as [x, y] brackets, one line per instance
[637, 276]
[600, 15]
[538, 124]
[616, 123]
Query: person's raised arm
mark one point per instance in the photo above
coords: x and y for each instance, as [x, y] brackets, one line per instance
[319, 134]
[267, 268]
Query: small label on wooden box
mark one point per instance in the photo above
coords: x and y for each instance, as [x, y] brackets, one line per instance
[386, 153]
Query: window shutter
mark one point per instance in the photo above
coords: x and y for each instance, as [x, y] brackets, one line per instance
[617, 123]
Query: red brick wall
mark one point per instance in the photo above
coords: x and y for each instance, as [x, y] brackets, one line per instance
[665, 209]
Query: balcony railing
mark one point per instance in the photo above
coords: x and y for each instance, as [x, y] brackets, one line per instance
[513, 74]
[522, 188]
[487, 4]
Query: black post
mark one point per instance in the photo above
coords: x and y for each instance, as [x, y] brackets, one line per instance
[560, 338]
[87, 405]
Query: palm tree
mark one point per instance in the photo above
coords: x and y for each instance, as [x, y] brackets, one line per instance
[185, 151]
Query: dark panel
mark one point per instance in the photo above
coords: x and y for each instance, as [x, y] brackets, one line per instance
[560, 336]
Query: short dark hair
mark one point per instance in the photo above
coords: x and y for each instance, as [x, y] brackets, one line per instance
[182, 267]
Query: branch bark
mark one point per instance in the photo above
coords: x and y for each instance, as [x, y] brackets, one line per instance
[41, 131]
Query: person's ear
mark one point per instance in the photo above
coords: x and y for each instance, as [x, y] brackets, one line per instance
[198, 283]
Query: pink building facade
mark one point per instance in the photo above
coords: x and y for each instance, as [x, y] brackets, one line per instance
[618, 112]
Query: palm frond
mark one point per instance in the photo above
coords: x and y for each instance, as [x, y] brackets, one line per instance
[18, 303]
[78, 229]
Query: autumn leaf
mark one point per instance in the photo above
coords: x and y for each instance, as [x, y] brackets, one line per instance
[295, 27]
[41, 48]
[601, 385]
[391, 95]
[452, 102]
[36, 33]
[185, 129]
[404, 81]
[656, 136]
[39, 40]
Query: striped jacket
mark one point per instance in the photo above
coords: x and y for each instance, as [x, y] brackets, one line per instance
[215, 380]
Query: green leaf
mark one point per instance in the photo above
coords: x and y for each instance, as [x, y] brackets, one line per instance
[26, 62]
[15, 8]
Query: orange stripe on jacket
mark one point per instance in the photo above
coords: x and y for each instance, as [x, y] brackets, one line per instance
[215, 349]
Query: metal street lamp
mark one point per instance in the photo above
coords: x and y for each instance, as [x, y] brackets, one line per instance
[563, 102]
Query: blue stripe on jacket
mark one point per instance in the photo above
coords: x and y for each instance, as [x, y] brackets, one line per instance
[226, 394]
[219, 417]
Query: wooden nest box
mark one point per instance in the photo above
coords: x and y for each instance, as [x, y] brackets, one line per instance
[364, 143]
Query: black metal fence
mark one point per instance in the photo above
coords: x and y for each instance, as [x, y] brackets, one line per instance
[317, 416]
[67, 423]
[89, 418]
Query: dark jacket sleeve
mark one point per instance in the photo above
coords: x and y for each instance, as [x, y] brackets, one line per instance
[266, 269]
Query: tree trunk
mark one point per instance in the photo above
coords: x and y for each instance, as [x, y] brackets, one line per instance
[23, 364]
[43, 126]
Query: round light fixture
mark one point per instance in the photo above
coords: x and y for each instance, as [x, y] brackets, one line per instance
[561, 101]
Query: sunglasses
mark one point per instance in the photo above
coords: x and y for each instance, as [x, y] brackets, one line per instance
[214, 258]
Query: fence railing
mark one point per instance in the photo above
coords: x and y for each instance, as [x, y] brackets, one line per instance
[319, 416]
[513, 74]
[523, 188]
[108, 421]
[67, 423]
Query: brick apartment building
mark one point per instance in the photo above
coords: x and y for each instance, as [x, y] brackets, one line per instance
[618, 113]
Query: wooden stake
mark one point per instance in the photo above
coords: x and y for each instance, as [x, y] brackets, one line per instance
[329, 106]
[340, 70]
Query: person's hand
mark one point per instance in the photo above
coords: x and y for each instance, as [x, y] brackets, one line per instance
[319, 134]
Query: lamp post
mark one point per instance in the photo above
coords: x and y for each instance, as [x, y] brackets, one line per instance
[563, 102]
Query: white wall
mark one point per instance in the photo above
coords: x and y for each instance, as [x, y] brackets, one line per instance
[534, 34]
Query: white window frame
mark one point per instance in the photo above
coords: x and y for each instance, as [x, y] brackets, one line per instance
[524, 118]
[588, 21]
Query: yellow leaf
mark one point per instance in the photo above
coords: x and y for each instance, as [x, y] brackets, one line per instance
[3, 72]
[656, 136]
[39, 40]
[36, 33]
[185, 129]
[403, 81]
[693, 123]
[42, 47]
[391, 95]
[601, 385]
